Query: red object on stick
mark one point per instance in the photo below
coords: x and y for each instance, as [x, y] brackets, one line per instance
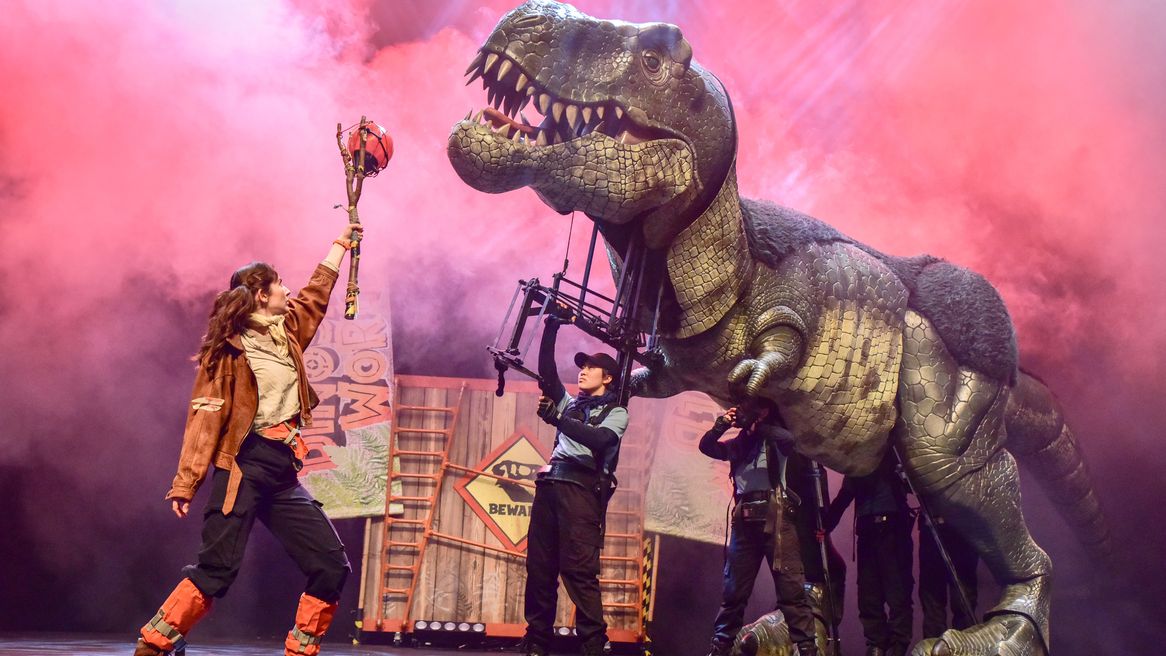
[378, 147]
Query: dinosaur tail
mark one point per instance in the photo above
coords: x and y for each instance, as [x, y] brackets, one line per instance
[1041, 440]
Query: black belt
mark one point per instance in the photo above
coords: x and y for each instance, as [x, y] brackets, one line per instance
[565, 470]
[880, 519]
[759, 495]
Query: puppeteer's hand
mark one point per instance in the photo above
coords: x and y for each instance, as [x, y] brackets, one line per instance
[352, 234]
[180, 507]
[548, 410]
[727, 419]
[559, 313]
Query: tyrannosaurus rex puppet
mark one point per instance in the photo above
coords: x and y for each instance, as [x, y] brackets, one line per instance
[857, 348]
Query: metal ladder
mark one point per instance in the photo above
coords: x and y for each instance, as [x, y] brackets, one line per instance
[410, 534]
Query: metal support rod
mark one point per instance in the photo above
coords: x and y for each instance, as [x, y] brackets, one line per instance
[587, 269]
[656, 316]
[527, 301]
[965, 602]
[509, 311]
[621, 287]
[831, 612]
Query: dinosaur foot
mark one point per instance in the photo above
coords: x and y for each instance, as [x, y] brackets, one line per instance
[1001, 635]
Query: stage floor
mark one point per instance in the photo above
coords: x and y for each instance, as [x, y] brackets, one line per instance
[86, 645]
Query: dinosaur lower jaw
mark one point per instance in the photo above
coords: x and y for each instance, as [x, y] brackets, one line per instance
[593, 173]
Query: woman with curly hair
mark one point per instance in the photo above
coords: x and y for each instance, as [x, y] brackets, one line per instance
[251, 398]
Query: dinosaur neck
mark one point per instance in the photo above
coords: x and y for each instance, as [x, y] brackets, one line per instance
[709, 262]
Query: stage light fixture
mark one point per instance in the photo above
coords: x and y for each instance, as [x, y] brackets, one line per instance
[479, 627]
[421, 625]
[449, 626]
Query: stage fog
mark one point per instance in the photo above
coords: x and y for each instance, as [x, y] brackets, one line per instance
[148, 149]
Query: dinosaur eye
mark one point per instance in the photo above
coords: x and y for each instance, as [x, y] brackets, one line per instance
[655, 68]
[652, 61]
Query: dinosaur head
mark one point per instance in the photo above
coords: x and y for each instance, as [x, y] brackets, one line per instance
[627, 127]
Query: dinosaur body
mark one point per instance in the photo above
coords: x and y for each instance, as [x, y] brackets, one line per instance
[858, 349]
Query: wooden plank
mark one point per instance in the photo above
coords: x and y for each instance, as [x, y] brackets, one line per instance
[372, 572]
[493, 564]
[475, 434]
[515, 383]
[504, 425]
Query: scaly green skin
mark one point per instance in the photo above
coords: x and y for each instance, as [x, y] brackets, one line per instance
[640, 137]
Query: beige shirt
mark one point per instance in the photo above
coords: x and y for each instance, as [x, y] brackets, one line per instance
[275, 377]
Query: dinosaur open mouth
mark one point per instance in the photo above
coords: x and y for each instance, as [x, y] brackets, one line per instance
[509, 90]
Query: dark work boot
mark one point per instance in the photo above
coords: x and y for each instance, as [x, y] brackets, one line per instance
[808, 648]
[144, 648]
[594, 647]
[529, 648]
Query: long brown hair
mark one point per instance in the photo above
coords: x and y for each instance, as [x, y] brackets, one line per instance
[229, 314]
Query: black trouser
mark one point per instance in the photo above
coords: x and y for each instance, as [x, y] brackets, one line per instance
[566, 534]
[749, 544]
[885, 578]
[935, 581]
[271, 493]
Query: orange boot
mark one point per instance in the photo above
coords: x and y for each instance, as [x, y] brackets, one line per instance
[179, 613]
[313, 616]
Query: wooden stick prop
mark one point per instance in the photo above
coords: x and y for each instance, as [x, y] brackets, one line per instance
[368, 150]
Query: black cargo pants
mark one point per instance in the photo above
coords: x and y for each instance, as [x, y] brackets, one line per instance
[566, 534]
[270, 492]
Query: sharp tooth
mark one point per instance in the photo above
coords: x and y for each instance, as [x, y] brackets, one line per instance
[476, 75]
[509, 104]
[544, 104]
[490, 95]
[586, 114]
[618, 112]
[525, 121]
[599, 111]
[468, 115]
[541, 140]
[477, 61]
[491, 59]
[478, 117]
[521, 82]
[522, 103]
[573, 117]
[557, 110]
[504, 68]
[530, 90]
[517, 136]
[497, 102]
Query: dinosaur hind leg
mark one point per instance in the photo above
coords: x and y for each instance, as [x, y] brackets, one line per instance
[951, 431]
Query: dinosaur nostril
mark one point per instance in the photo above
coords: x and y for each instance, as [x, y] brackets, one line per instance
[528, 21]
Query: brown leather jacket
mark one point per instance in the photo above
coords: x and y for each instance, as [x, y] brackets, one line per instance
[224, 399]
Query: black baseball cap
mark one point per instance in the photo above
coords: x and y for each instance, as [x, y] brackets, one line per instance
[601, 360]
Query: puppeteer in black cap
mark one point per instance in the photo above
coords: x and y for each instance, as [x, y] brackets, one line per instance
[571, 492]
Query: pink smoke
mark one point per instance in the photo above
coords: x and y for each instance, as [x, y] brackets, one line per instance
[148, 149]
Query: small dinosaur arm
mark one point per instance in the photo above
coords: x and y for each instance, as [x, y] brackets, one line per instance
[857, 348]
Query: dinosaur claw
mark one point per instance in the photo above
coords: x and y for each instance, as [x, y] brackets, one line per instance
[940, 648]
